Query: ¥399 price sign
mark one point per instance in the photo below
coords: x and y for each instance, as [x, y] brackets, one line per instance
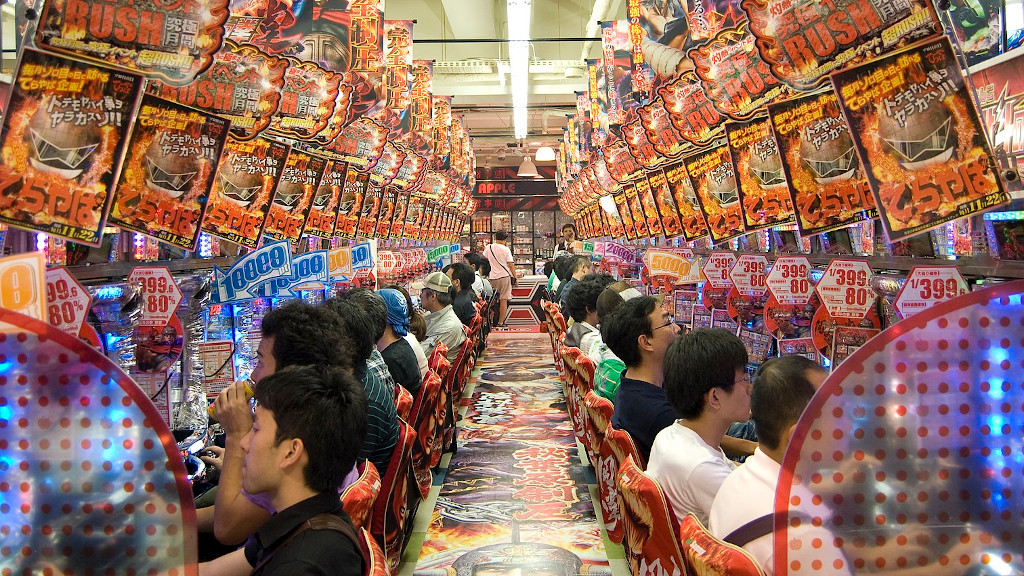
[927, 286]
[66, 301]
[845, 289]
[789, 280]
[748, 274]
[717, 269]
[160, 295]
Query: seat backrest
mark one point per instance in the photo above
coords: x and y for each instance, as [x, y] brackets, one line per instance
[438, 361]
[585, 368]
[391, 509]
[427, 413]
[403, 402]
[623, 446]
[599, 417]
[358, 498]
[375, 563]
[607, 469]
[708, 556]
[651, 542]
[560, 324]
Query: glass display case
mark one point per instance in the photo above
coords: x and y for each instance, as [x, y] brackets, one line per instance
[533, 234]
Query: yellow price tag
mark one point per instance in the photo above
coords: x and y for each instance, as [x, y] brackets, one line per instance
[23, 284]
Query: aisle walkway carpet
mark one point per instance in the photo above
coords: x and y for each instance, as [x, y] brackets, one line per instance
[515, 495]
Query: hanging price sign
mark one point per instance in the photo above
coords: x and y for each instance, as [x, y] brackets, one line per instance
[160, 295]
[22, 284]
[927, 286]
[339, 264]
[845, 289]
[749, 275]
[717, 268]
[66, 301]
[789, 280]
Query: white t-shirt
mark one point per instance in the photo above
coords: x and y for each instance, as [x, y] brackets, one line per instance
[499, 257]
[688, 469]
[417, 349]
[749, 493]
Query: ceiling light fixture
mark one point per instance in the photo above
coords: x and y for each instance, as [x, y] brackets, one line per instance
[545, 154]
[527, 169]
[518, 12]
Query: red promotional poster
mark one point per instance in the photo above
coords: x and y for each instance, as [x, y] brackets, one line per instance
[691, 219]
[826, 184]
[637, 212]
[241, 29]
[398, 75]
[643, 190]
[410, 174]
[1000, 89]
[169, 169]
[243, 85]
[917, 131]
[361, 144]
[421, 107]
[622, 205]
[805, 40]
[690, 110]
[413, 217]
[173, 41]
[62, 143]
[351, 204]
[387, 167]
[666, 204]
[307, 100]
[764, 195]
[714, 181]
[737, 81]
[635, 137]
[621, 164]
[323, 216]
[389, 196]
[442, 130]
[294, 198]
[247, 178]
[662, 134]
[616, 228]
[398, 220]
[371, 207]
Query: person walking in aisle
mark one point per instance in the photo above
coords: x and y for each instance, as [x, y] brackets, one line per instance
[503, 271]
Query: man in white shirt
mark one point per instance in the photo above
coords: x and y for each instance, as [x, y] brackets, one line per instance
[503, 271]
[443, 325]
[783, 388]
[707, 383]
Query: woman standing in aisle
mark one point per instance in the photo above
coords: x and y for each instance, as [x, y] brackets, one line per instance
[503, 271]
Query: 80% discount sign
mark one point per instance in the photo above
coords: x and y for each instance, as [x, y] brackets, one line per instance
[160, 295]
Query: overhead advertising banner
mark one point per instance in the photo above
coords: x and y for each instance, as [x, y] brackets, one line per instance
[635, 137]
[412, 171]
[642, 75]
[371, 207]
[714, 181]
[690, 110]
[323, 216]
[351, 203]
[360, 143]
[397, 230]
[243, 85]
[764, 195]
[413, 216]
[294, 199]
[661, 133]
[643, 190]
[168, 172]
[636, 210]
[442, 130]
[422, 106]
[917, 130]
[803, 41]
[250, 272]
[398, 75]
[621, 164]
[665, 203]
[387, 167]
[247, 179]
[1001, 95]
[389, 197]
[62, 143]
[173, 41]
[308, 98]
[826, 183]
[691, 219]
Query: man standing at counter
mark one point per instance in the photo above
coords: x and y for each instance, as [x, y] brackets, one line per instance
[503, 271]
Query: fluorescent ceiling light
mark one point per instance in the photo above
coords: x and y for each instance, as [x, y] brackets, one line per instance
[518, 12]
[527, 169]
[545, 154]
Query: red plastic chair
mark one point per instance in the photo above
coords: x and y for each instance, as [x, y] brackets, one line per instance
[573, 400]
[455, 385]
[390, 511]
[403, 402]
[584, 383]
[375, 562]
[438, 360]
[428, 413]
[623, 446]
[359, 497]
[651, 542]
[708, 556]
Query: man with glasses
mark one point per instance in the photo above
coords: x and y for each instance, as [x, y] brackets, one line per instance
[707, 383]
[443, 325]
[639, 333]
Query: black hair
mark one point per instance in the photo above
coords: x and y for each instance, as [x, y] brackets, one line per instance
[464, 274]
[501, 235]
[375, 307]
[605, 280]
[549, 267]
[473, 259]
[305, 334]
[699, 361]
[562, 264]
[781, 391]
[417, 324]
[577, 262]
[356, 324]
[622, 330]
[569, 225]
[484, 267]
[325, 407]
[583, 297]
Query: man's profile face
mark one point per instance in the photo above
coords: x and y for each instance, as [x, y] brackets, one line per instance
[266, 364]
[260, 463]
[455, 281]
[663, 330]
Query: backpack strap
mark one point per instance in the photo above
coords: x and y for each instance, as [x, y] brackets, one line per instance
[323, 521]
[756, 528]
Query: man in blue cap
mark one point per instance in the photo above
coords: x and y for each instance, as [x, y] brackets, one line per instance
[397, 353]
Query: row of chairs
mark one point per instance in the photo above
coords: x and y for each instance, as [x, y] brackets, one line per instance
[384, 508]
[633, 506]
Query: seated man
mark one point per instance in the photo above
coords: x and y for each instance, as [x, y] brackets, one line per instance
[295, 334]
[309, 423]
[581, 305]
[382, 432]
[481, 285]
[783, 388]
[707, 383]
[579, 267]
[442, 323]
[397, 353]
[609, 366]
[464, 299]
[639, 333]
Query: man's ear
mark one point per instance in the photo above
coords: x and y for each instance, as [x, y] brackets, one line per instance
[787, 435]
[711, 398]
[295, 450]
[644, 342]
